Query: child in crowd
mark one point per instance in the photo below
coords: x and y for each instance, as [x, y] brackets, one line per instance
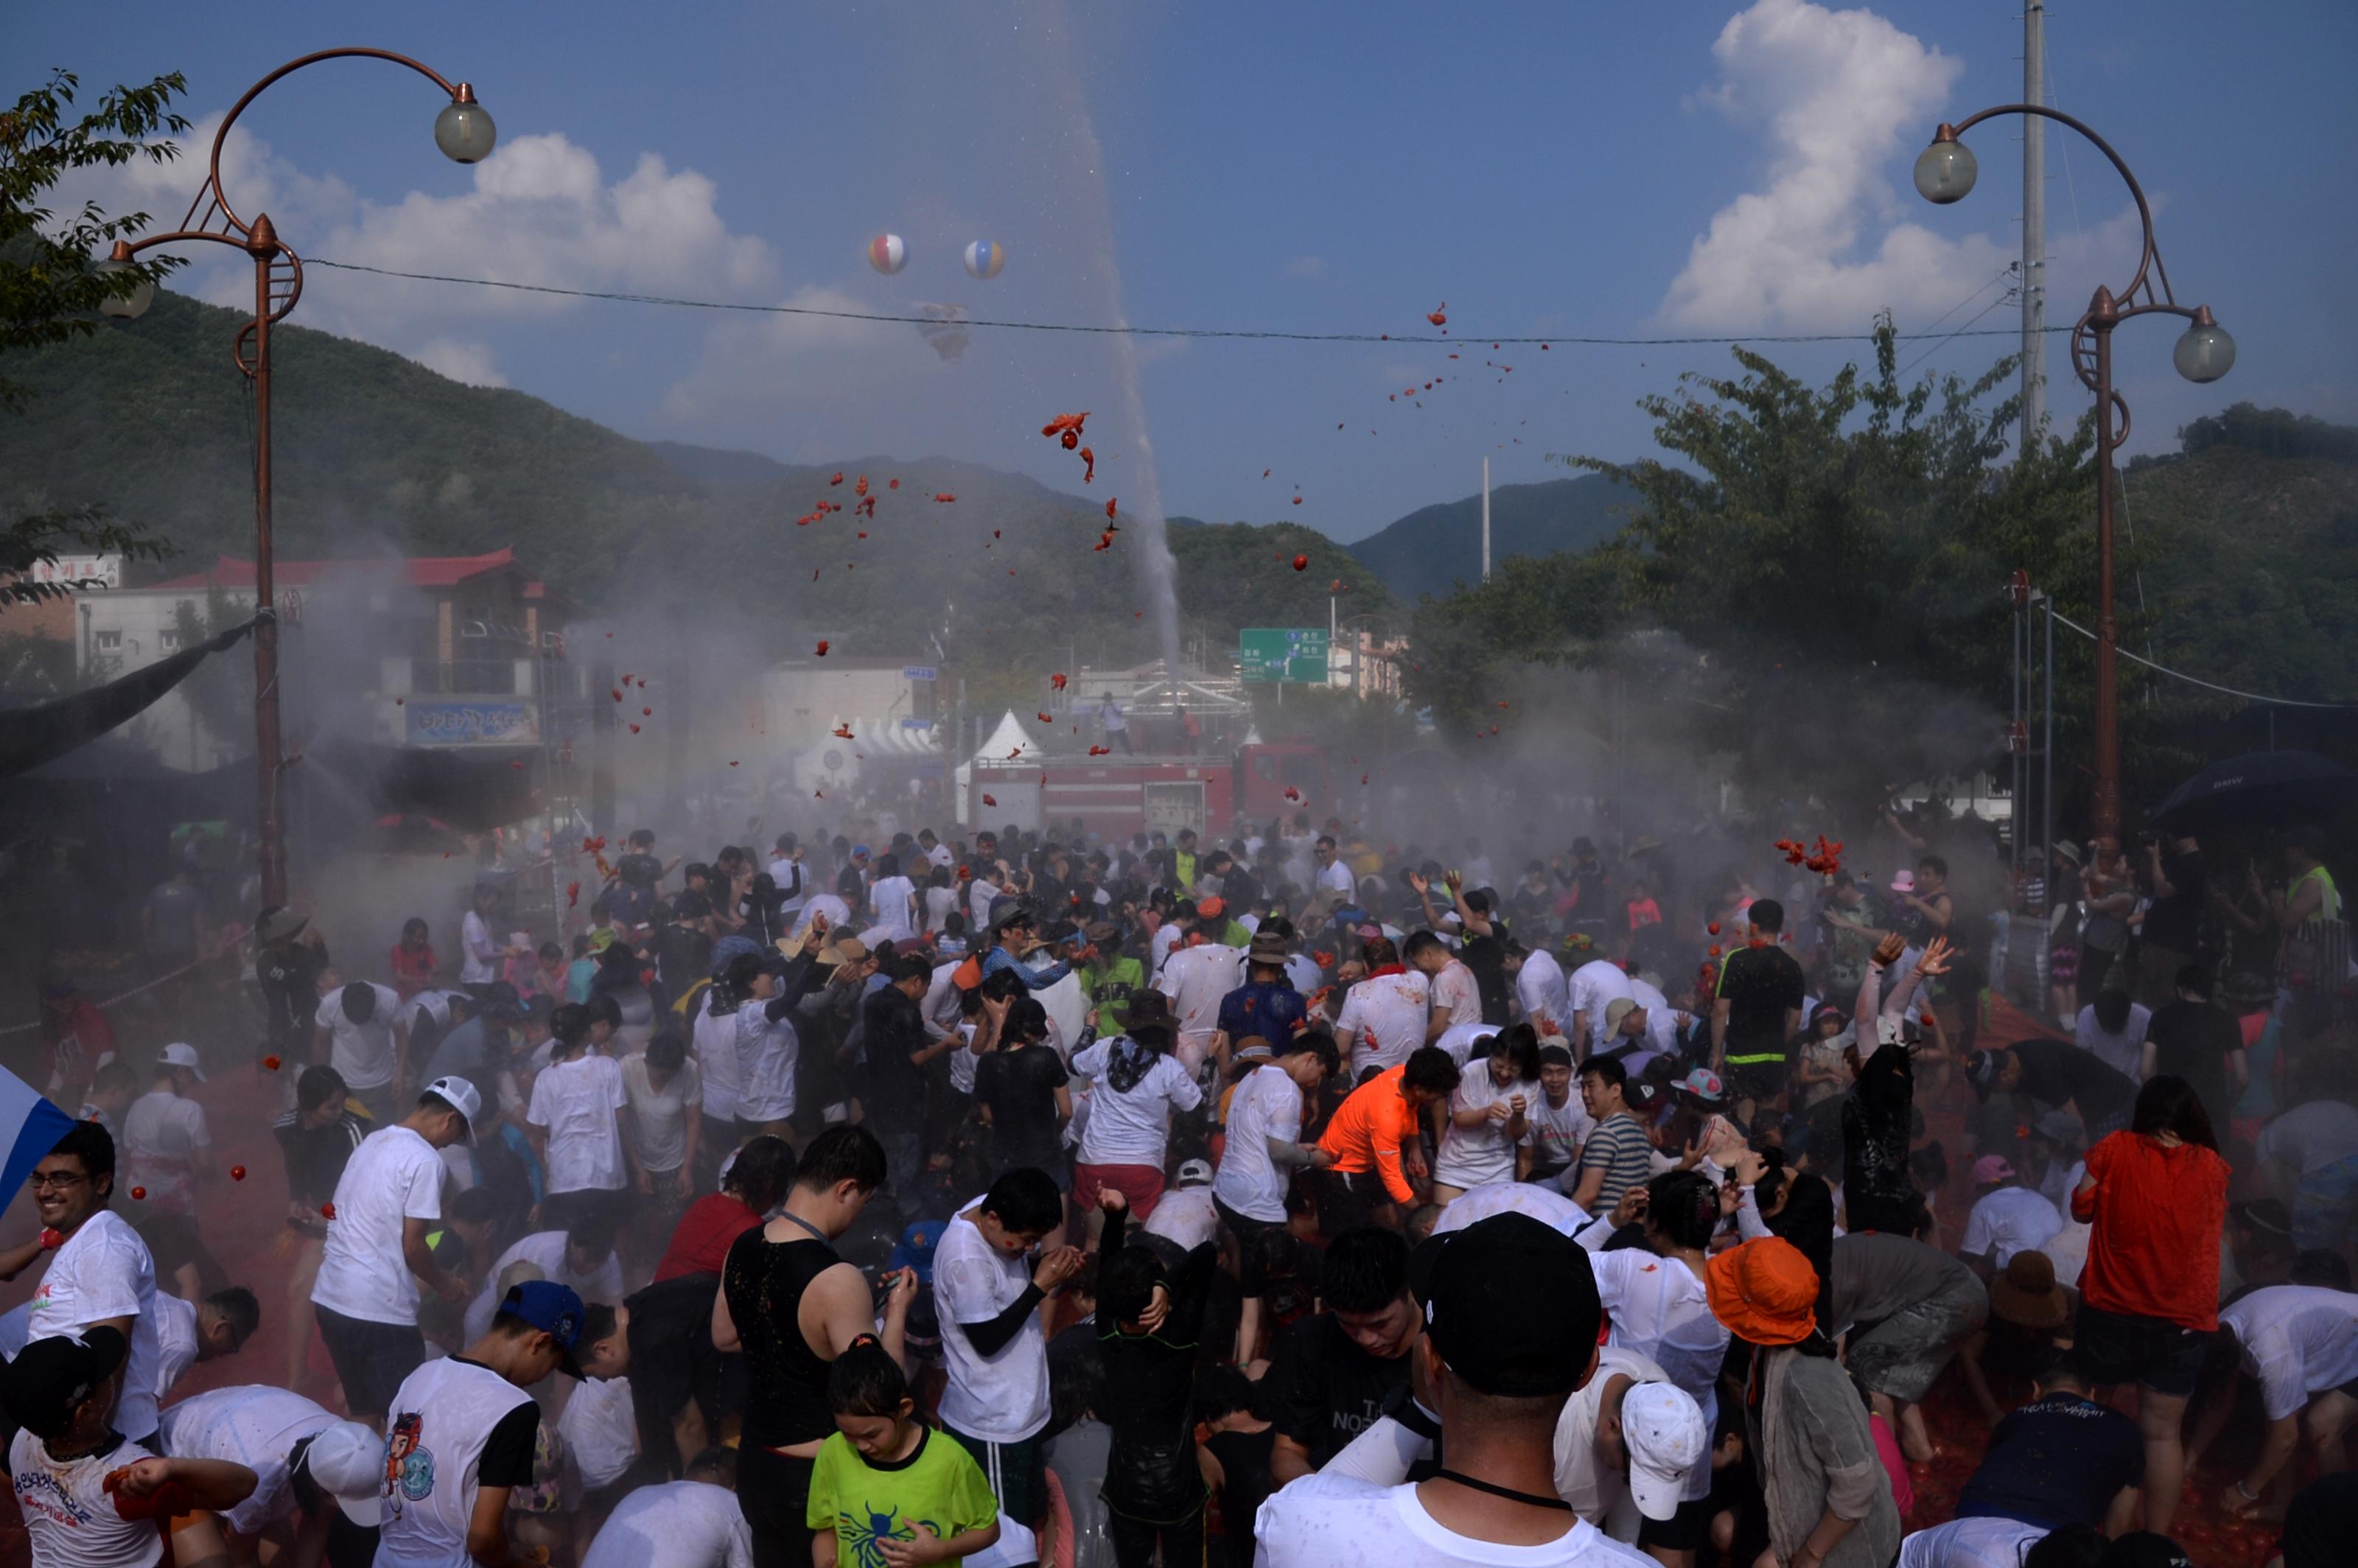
[885, 1476]
[413, 959]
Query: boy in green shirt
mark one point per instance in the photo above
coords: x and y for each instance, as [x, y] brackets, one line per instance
[887, 1491]
[1110, 974]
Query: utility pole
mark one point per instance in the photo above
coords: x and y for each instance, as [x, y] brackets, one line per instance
[1486, 520]
[2034, 224]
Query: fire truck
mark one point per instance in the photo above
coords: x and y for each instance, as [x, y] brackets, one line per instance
[1117, 795]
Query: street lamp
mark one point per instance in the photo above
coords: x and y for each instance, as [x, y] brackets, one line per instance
[465, 134]
[1945, 173]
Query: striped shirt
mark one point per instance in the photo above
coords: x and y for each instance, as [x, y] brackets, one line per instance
[1620, 1149]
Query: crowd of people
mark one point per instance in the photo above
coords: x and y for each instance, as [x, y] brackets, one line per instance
[1022, 1196]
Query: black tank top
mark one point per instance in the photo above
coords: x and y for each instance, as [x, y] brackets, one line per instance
[1246, 1480]
[786, 1380]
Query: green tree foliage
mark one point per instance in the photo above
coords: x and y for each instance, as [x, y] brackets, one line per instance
[49, 289]
[1824, 559]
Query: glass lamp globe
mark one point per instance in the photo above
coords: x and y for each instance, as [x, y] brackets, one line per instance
[464, 131]
[2205, 353]
[125, 307]
[1945, 172]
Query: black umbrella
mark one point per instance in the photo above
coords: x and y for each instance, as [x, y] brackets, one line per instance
[2261, 789]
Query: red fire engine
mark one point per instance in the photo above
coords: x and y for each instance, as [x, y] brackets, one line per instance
[1114, 796]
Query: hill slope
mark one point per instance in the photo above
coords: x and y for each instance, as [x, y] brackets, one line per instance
[1435, 547]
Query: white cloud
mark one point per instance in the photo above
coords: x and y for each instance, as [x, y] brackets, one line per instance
[816, 365]
[1306, 266]
[468, 362]
[1841, 99]
[539, 210]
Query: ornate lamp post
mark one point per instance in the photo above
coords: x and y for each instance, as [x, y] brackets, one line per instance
[1945, 173]
[464, 132]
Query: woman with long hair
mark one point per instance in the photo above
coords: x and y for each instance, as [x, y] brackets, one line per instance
[1829, 1500]
[1487, 1116]
[2156, 1199]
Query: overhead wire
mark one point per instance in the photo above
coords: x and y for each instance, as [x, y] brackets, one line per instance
[886, 318]
[2197, 680]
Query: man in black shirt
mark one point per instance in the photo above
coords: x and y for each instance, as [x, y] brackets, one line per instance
[287, 967]
[898, 1047]
[2053, 1074]
[2172, 933]
[1336, 1372]
[1758, 1011]
[1021, 1085]
[2062, 1459]
[2190, 1039]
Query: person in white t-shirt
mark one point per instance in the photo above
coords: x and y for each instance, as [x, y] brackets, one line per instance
[101, 1274]
[1135, 1087]
[1185, 1217]
[62, 1392]
[1264, 1147]
[1540, 990]
[2007, 1219]
[1198, 980]
[581, 1258]
[694, 1523]
[481, 953]
[1511, 1318]
[2299, 1342]
[988, 1292]
[1591, 988]
[188, 1332]
[462, 1434]
[1489, 1115]
[1384, 1013]
[360, 1031]
[279, 1436]
[1454, 995]
[169, 1157]
[894, 898]
[1556, 1123]
[376, 1255]
[666, 1128]
[1334, 874]
[575, 1122]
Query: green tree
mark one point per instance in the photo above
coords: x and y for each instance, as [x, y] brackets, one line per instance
[50, 290]
[48, 287]
[1828, 562]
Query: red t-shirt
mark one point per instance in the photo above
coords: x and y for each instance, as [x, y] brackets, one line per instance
[2156, 1215]
[701, 1242]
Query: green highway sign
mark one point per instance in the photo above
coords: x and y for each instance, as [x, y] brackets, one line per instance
[1283, 653]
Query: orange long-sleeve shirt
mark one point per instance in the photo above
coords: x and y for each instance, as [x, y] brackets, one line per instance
[1372, 1130]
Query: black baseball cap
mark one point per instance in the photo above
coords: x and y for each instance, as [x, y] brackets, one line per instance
[49, 1378]
[1511, 1305]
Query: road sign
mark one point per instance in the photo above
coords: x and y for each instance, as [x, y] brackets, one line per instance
[920, 672]
[1274, 654]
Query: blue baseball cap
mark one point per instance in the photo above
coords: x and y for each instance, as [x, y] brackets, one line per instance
[859, 852]
[553, 1309]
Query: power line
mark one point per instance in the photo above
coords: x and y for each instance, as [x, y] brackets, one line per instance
[889, 319]
[2196, 680]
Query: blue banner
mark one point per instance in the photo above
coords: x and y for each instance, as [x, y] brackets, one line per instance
[451, 723]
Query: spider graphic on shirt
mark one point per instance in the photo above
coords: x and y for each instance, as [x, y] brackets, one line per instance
[863, 1534]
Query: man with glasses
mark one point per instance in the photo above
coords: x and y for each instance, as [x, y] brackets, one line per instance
[102, 1276]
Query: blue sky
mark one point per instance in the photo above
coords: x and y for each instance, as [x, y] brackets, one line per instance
[1567, 167]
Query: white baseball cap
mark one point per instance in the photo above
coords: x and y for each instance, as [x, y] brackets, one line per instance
[1662, 1429]
[460, 1096]
[180, 1054]
[346, 1460]
[1194, 1172]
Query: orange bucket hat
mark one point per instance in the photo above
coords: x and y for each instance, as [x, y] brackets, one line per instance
[1764, 1291]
